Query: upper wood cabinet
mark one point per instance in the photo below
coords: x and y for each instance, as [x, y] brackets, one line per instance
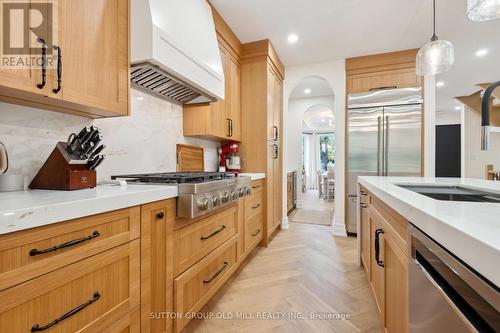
[221, 120]
[92, 39]
[382, 71]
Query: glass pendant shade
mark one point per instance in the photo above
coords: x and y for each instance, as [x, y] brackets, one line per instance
[435, 57]
[483, 10]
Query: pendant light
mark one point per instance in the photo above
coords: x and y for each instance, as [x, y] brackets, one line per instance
[483, 10]
[437, 56]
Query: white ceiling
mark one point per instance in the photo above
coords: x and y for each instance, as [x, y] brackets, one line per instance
[318, 87]
[319, 118]
[337, 29]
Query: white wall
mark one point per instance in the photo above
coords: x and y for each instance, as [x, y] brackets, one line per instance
[474, 160]
[448, 117]
[144, 142]
[334, 73]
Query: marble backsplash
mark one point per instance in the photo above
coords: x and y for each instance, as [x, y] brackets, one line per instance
[143, 142]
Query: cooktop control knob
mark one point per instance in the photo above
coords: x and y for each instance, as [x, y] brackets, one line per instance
[215, 201]
[241, 192]
[234, 195]
[248, 191]
[203, 204]
[225, 197]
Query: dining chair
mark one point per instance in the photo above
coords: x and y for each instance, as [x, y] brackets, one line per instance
[330, 185]
[320, 183]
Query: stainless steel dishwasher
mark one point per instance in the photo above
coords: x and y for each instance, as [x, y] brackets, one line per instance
[445, 294]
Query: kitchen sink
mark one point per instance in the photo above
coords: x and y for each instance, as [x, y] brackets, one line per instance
[454, 193]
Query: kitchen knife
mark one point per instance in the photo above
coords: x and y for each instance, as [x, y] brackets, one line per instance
[96, 152]
[88, 136]
[96, 162]
[4, 159]
[88, 150]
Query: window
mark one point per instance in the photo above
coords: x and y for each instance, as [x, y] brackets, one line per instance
[326, 150]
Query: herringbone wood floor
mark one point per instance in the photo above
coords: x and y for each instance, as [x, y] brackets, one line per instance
[304, 269]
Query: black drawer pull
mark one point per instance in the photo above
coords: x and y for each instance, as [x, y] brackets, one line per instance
[383, 88]
[217, 273]
[256, 206]
[38, 328]
[256, 233]
[363, 205]
[213, 233]
[160, 215]
[256, 186]
[43, 63]
[95, 234]
[59, 70]
[362, 192]
[377, 247]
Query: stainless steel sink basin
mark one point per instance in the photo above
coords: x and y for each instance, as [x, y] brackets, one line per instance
[454, 193]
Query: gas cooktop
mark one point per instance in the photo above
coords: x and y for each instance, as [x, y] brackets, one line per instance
[176, 177]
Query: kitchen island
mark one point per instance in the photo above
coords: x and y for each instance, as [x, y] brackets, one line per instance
[431, 241]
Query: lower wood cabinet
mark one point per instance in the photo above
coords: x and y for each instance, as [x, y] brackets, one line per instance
[384, 256]
[104, 288]
[194, 287]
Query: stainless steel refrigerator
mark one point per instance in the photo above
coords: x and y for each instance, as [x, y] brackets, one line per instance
[384, 138]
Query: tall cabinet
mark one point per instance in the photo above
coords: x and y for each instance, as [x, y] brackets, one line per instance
[262, 75]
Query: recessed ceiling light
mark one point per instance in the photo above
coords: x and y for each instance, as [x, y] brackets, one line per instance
[439, 84]
[140, 98]
[458, 107]
[293, 38]
[307, 91]
[481, 52]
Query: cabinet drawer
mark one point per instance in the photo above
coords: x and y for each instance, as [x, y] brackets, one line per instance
[257, 186]
[199, 283]
[27, 254]
[398, 78]
[254, 204]
[195, 241]
[254, 231]
[130, 323]
[105, 287]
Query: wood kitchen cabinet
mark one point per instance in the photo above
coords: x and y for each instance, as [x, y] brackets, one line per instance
[262, 77]
[92, 38]
[384, 256]
[221, 120]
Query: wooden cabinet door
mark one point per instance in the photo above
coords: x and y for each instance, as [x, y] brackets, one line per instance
[271, 104]
[157, 278]
[377, 271]
[278, 106]
[233, 96]
[270, 187]
[396, 288]
[398, 78]
[366, 249]
[94, 40]
[219, 124]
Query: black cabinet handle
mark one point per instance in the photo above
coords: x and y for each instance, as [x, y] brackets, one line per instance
[38, 328]
[213, 233]
[276, 152]
[363, 205]
[43, 64]
[377, 247]
[256, 233]
[228, 121]
[35, 252]
[256, 186]
[256, 206]
[231, 128]
[160, 215]
[362, 192]
[382, 88]
[59, 70]
[217, 273]
[275, 133]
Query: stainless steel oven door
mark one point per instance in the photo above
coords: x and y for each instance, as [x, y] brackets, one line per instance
[445, 294]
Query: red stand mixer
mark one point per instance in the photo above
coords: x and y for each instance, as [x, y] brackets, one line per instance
[229, 157]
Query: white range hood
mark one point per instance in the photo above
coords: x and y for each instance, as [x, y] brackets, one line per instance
[175, 54]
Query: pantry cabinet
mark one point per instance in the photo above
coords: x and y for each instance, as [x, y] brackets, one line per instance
[221, 120]
[384, 256]
[262, 77]
[87, 64]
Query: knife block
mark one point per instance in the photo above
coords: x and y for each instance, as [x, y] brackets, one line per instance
[60, 172]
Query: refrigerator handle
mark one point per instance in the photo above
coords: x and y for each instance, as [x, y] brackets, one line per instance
[386, 147]
[379, 126]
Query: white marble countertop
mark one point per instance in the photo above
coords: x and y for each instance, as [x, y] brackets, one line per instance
[469, 230]
[33, 208]
[253, 176]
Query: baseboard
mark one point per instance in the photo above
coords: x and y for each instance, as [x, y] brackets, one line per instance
[339, 229]
[284, 224]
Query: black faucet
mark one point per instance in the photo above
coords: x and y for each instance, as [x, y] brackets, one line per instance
[485, 115]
